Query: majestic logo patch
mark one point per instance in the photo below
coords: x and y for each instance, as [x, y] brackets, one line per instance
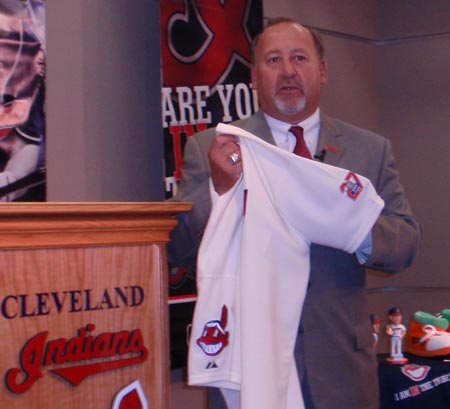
[416, 372]
[352, 186]
[214, 338]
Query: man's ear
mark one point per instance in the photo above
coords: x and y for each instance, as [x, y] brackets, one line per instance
[323, 68]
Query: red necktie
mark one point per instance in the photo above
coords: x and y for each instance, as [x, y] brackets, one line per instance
[300, 147]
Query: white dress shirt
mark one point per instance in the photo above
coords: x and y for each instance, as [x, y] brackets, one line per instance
[286, 140]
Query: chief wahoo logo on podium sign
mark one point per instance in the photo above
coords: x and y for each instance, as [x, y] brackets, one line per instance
[131, 396]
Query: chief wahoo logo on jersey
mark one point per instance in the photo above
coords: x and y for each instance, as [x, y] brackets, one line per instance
[214, 336]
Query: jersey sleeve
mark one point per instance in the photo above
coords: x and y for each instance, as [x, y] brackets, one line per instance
[327, 205]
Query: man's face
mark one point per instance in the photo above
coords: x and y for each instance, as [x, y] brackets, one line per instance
[288, 73]
[396, 318]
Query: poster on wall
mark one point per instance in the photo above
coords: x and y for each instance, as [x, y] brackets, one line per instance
[22, 119]
[206, 57]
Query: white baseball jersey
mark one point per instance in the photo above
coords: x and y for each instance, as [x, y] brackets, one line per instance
[253, 268]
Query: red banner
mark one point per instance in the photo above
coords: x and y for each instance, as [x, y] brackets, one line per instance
[206, 54]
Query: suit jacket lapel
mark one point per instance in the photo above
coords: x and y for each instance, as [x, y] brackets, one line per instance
[329, 141]
[258, 126]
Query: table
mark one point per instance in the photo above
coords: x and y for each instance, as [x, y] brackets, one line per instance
[423, 383]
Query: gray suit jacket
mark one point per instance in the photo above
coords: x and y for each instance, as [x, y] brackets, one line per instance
[334, 353]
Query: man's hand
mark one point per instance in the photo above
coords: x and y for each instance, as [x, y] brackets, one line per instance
[225, 169]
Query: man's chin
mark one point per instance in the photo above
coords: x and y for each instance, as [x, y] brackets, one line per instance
[290, 107]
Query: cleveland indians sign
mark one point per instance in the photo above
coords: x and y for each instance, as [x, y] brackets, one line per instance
[83, 355]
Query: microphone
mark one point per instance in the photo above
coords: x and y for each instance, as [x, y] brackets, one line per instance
[321, 155]
[323, 152]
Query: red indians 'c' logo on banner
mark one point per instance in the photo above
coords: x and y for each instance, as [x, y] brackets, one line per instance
[106, 351]
[214, 37]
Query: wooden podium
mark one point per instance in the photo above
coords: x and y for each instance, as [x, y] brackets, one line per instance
[83, 298]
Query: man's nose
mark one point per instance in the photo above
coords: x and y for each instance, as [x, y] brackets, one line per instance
[288, 67]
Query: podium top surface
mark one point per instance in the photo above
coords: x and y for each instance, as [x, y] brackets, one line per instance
[93, 209]
[62, 224]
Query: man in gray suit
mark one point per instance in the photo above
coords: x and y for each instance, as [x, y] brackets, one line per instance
[334, 354]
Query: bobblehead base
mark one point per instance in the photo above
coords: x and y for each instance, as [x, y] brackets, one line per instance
[397, 361]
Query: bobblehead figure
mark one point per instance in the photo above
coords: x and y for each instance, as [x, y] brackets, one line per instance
[397, 331]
